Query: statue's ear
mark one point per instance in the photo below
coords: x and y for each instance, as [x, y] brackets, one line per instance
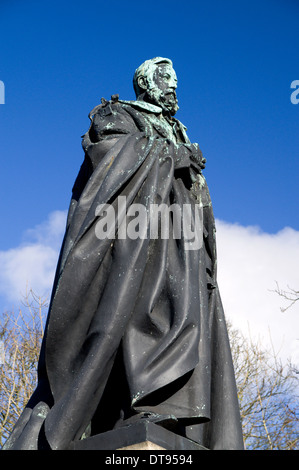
[142, 83]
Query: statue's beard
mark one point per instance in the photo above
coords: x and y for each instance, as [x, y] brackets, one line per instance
[166, 100]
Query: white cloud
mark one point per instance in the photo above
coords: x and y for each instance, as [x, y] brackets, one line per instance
[49, 232]
[249, 263]
[33, 263]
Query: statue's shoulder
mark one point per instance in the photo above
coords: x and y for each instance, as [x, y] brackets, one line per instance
[149, 108]
[109, 118]
[130, 113]
[115, 106]
[142, 106]
[104, 108]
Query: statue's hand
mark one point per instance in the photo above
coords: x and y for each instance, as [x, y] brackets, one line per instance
[196, 155]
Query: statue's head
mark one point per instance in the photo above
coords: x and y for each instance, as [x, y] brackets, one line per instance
[155, 81]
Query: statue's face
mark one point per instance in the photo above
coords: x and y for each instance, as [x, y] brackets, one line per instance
[165, 78]
[162, 89]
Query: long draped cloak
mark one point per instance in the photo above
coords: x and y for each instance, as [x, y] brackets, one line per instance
[147, 308]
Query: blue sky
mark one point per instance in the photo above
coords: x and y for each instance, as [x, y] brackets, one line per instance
[235, 61]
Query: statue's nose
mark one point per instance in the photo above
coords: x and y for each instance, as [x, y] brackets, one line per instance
[173, 83]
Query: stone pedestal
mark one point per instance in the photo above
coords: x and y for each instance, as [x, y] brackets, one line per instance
[138, 436]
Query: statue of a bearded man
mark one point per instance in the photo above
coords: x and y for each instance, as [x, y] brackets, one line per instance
[136, 329]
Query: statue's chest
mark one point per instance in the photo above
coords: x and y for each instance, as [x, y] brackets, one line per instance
[166, 129]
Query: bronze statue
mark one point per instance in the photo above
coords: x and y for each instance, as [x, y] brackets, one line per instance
[136, 329]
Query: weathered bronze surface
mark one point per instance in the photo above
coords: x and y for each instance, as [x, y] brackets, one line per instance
[135, 329]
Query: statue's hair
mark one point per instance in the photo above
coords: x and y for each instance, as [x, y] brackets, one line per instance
[147, 70]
